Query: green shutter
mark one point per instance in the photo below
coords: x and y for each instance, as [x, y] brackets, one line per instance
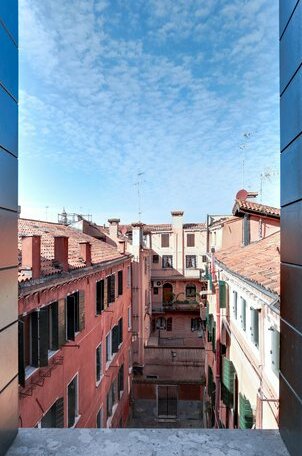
[214, 336]
[222, 294]
[246, 419]
[228, 381]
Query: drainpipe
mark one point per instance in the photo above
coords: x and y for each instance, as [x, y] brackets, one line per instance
[217, 340]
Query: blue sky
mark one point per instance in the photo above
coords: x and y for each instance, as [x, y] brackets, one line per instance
[111, 88]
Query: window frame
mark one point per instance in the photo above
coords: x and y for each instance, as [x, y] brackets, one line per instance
[191, 236]
[165, 239]
[77, 402]
[165, 259]
[193, 260]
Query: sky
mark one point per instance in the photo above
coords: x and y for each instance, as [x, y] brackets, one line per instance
[185, 92]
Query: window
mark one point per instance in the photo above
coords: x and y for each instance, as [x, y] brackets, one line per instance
[99, 372]
[54, 417]
[129, 276]
[190, 240]
[190, 291]
[275, 350]
[120, 331]
[243, 314]
[161, 323]
[111, 398]
[204, 258]
[235, 300]
[100, 297]
[115, 339]
[155, 259]
[169, 324]
[108, 347]
[191, 261]
[75, 314]
[255, 326]
[111, 288]
[155, 290]
[120, 282]
[167, 261]
[165, 240]
[129, 319]
[196, 324]
[73, 401]
[99, 419]
[120, 381]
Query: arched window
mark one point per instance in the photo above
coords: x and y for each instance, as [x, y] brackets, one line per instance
[190, 291]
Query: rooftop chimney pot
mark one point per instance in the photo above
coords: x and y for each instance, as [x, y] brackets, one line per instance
[85, 252]
[61, 251]
[31, 254]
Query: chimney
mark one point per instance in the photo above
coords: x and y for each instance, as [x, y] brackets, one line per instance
[177, 219]
[113, 227]
[85, 252]
[31, 254]
[137, 234]
[122, 246]
[61, 251]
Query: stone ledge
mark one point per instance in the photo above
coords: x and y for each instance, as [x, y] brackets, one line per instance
[144, 442]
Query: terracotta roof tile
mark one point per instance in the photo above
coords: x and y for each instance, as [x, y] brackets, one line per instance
[258, 262]
[100, 251]
[249, 206]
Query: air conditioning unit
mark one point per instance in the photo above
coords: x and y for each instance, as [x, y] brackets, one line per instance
[158, 283]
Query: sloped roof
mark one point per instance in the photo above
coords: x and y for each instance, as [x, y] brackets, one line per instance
[258, 262]
[242, 206]
[162, 227]
[100, 251]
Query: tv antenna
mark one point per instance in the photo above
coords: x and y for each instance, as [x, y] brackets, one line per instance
[266, 176]
[243, 147]
[138, 184]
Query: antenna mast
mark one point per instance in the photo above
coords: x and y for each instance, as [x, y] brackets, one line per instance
[138, 184]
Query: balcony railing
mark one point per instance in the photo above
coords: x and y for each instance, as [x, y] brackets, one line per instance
[186, 306]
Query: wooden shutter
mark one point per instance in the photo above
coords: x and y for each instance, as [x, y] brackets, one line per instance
[120, 331]
[214, 336]
[81, 310]
[59, 414]
[165, 240]
[61, 322]
[228, 381]
[169, 324]
[70, 317]
[109, 290]
[190, 240]
[34, 339]
[222, 294]
[120, 283]
[112, 294]
[235, 300]
[115, 339]
[255, 326]
[54, 326]
[246, 419]
[98, 362]
[106, 293]
[43, 336]
[121, 380]
[243, 314]
[275, 351]
[99, 296]
[21, 359]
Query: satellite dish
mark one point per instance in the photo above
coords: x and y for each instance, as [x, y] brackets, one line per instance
[242, 194]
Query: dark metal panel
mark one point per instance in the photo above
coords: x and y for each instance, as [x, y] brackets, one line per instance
[291, 222]
[8, 415]
[290, 419]
[290, 48]
[291, 290]
[9, 16]
[8, 181]
[291, 111]
[8, 123]
[291, 359]
[286, 9]
[291, 165]
[8, 63]
[8, 354]
[8, 297]
[8, 239]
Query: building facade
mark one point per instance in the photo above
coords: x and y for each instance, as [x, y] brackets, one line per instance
[74, 329]
[8, 221]
[242, 337]
[291, 210]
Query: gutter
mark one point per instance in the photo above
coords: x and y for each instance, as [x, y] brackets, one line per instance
[27, 287]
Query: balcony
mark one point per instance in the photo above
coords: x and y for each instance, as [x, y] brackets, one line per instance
[164, 442]
[176, 306]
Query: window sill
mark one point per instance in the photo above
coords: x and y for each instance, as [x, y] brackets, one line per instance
[77, 418]
[51, 353]
[98, 382]
[29, 371]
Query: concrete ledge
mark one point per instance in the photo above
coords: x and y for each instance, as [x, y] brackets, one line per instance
[142, 442]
